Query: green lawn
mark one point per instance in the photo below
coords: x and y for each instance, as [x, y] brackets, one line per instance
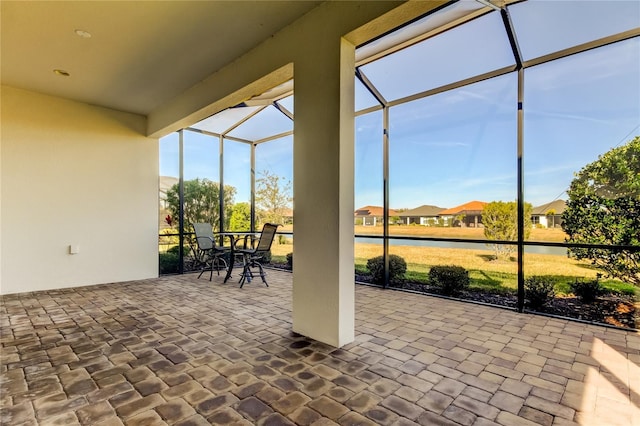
[485, 275]
[502, 282]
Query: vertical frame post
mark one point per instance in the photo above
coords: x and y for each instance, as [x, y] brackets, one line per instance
[253, 188]
[221, 193]
[181, 201]
[385, 174]
[520, 171]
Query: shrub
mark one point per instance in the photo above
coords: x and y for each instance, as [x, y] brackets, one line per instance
[282, 239]
[266, 257]
[587, 291]
[397, 268]
[538, 291]
[290, 260]
[450, 280]
[176, 250]
[169, 262]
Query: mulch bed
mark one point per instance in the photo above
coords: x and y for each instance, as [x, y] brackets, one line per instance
[618, 310]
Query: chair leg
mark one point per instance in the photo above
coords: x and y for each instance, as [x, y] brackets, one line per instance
[212, 260]
[246, 271]
[211, 263]
[262, 273]
[249, 275]
[204, 268]
[217, 263]
[246, 275]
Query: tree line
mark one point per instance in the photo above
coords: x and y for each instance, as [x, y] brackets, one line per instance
[273, 197]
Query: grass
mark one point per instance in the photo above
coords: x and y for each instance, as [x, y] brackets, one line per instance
[486, 274]
[491, 275]
[490, 282]
[537, 234]
[477, 259]
[504, 282]
[563, 286]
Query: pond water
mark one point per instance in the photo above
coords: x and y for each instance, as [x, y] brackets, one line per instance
[557, 251]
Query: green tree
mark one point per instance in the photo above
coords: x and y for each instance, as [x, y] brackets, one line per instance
[500, 220]
[201, 202]
[273, 197]
[240, 219]
[604, 208]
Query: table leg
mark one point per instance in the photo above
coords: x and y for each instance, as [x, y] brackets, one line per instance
[232, 258]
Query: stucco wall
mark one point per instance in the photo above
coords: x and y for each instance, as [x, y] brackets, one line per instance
[74, 174]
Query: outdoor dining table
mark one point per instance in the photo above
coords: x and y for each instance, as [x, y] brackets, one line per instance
[234, 238]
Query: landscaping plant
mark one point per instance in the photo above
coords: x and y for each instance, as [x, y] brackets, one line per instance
[587, 291]
[170, 261]
[450, 280]
[538, 291]
[397, 269]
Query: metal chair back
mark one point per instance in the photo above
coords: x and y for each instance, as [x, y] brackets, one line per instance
[204, 236]
[266, 237]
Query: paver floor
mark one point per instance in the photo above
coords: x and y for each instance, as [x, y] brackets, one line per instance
[183, 351]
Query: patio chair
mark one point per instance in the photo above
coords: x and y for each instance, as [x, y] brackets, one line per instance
[210, 255]
[251, 257]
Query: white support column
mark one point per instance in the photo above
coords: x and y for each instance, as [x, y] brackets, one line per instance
[323, 278]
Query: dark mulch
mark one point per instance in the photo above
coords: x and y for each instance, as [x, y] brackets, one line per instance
[619, 310]
[612, 309]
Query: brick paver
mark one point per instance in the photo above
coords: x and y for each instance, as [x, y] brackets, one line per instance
[178, 350]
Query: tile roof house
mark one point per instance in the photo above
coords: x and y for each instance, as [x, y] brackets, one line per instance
[423, 215]
[548, 215]
[468, 214]
[371, 215]
[287, 215]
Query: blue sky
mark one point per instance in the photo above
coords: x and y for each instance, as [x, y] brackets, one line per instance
[201, 158]
[460, 145]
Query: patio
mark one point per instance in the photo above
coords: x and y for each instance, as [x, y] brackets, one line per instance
[179, 350]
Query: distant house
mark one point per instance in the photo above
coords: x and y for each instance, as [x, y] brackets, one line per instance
[548, 215]
[468, 214]
[424, 215]
[287, 216]
[372, 215]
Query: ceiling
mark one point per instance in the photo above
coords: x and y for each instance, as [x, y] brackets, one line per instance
[140, 54]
